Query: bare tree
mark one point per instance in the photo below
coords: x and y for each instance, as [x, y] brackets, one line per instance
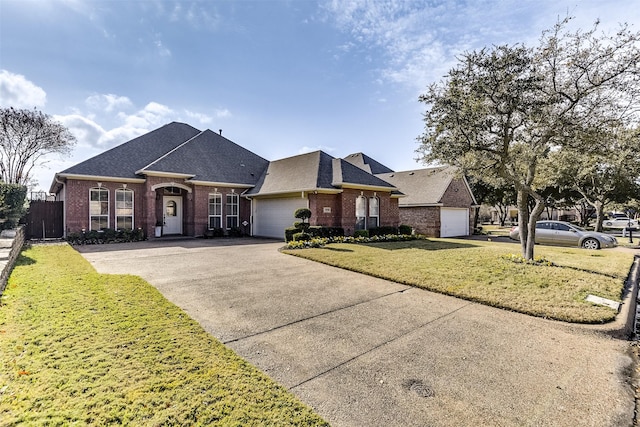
[26, 136]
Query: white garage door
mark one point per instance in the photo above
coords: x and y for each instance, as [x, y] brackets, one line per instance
[272, 216]
[454, 222]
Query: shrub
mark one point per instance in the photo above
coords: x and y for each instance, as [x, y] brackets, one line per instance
[235, 232]
[106, 235]
[289, 232]
[405, 229]
[361, 233]
[322, 231]
[381, 231]
[214, 232]
[302, 213]
[12, 204]
[301, 237]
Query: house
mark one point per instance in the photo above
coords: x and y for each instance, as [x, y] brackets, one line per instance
[438, 202]
[338, 194]
[192, 181]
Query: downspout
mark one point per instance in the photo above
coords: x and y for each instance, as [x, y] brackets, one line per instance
[64, 205]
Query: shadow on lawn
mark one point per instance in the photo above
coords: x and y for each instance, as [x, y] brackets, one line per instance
[24, 260]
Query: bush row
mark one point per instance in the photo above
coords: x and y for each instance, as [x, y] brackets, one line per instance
[318, 242]
[106, 235]
[298, 232]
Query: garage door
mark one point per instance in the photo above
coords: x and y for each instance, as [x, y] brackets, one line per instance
[454, 222]
[272, 216]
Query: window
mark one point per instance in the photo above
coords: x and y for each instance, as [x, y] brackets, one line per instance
[171, 209]
[215, 211]
[232, 211]
[374, 212]
[124, 209]
[361, 213]
[98, 208]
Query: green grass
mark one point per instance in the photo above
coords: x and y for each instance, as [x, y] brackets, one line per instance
[78, 348]
[477, 271]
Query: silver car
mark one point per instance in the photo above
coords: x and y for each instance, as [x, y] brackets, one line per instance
[564, 233]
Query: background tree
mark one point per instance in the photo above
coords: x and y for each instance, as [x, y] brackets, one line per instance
[605, 175]
[501, 111]
[26, 136]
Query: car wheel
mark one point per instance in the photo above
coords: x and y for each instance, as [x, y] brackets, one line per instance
[590, 244]
[608, 224]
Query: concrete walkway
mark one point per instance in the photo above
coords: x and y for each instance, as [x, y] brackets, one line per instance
[366, 352]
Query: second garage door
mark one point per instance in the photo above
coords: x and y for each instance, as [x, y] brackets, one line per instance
[454, 222]
[272, 216]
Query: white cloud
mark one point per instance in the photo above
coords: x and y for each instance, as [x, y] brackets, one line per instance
[223, 113]
[108, 102]
[16, 91]
[86, 131]
[416, 43]
[162, 50]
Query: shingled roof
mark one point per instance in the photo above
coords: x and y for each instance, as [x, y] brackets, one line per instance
[209, 157]
[315, 171]
[367, 164]
[124, 160]
[422, 187]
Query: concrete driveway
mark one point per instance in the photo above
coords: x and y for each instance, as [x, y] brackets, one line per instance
[367, 352]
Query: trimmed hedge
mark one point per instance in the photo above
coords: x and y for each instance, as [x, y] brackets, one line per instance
[361, 233]
[106, 235]
[314, 231]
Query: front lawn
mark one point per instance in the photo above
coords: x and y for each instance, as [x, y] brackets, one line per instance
[482, 271]
[78, 347]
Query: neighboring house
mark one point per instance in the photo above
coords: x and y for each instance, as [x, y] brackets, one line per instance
[438, 202]
[192, 181]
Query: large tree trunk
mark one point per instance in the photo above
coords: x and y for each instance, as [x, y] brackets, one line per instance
[523, 220]
[599, 215]
[527, 221]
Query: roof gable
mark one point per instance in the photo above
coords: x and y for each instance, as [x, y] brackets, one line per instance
[125, 159]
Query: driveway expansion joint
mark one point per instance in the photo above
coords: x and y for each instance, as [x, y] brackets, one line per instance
[333, 368]
[335, 310]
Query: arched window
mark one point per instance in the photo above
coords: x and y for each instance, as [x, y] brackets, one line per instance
[361, 213]
[374, 212]
[172, 208]
[98, 208]
[124, 209]
[215, 211]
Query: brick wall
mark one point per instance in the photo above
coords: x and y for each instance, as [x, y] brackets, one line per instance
[201, 207]
[317, 205]
[76, 203]
[148, 206]
[424, 220]
[457, 195]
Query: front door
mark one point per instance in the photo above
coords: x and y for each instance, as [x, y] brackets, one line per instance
[172, 215]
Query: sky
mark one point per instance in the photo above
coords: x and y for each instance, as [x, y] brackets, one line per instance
[279, 77]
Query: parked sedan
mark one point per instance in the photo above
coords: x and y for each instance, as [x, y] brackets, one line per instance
[620, 222]
[566, 234]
